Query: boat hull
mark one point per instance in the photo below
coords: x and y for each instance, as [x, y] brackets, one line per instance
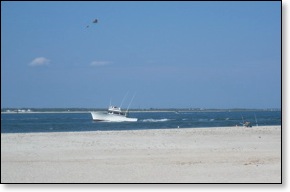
[101, 116]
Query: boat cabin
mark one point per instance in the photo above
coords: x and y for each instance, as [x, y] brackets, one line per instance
[116, 111]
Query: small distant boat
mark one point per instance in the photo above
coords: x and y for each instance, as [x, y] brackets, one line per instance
[114, 114]
[247, 124]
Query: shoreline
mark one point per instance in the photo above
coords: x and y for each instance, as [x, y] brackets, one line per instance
[145, 129]
[152, 129]
[184, 155]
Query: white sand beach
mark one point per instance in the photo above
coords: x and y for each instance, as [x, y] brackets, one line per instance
[192, 155]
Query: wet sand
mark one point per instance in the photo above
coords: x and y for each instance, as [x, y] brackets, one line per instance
[192, 155]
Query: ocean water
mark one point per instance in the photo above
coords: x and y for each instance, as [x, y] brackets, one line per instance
[70, 122]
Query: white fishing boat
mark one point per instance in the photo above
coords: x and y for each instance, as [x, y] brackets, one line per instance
[114, 114]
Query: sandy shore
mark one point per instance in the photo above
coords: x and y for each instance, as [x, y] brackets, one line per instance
[204, 155]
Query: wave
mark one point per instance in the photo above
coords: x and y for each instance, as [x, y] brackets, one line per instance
[202, 119]
[155, 120]
[215, 119]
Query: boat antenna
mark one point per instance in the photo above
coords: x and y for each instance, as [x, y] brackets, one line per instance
[130, 102]
[123, 99]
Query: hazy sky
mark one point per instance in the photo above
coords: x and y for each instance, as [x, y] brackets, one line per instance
[172, 54]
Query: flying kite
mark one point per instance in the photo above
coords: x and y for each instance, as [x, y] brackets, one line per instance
[94, 21]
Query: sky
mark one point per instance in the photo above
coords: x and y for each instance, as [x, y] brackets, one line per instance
[167, 54]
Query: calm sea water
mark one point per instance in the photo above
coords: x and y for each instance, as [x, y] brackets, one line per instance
[68, 122]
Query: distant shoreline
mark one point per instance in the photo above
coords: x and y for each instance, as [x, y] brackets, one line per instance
[75, 110]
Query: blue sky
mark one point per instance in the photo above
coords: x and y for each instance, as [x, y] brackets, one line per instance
[172, 54]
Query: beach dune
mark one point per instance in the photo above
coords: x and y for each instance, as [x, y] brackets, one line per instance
[191, 155]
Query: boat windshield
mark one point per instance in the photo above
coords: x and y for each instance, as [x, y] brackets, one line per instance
[117, 112]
